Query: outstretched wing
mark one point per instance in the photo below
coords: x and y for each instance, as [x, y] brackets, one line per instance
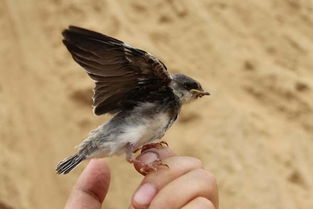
[123, 74]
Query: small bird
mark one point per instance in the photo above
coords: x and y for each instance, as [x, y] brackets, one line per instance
[132, 85]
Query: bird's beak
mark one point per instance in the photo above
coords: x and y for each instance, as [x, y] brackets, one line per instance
[199, 93]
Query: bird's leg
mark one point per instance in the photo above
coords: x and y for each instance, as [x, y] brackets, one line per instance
[145, 168]
[151, 167]
[130, 149]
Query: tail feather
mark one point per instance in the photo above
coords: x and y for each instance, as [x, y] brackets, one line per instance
[66, 165]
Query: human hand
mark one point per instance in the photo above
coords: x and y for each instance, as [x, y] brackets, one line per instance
[184, 184]
[91, 187]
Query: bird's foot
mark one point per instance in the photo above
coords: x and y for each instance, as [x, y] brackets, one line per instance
[157, 145]
[146, 168]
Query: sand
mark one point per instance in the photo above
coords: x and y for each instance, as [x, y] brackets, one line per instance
[255, 132]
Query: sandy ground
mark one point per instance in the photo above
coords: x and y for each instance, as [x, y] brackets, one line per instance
[255, 132]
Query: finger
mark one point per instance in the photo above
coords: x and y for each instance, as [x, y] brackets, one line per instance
[154, 181]
[199, 203]
[91, 187]
[150, 155]
[196, 183]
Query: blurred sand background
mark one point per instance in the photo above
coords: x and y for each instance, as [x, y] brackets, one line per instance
[255, 132]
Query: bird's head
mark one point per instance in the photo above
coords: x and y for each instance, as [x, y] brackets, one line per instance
[186, 88]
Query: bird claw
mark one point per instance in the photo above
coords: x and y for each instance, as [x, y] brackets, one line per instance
[157, 145]
[151, 167]
[136, 150]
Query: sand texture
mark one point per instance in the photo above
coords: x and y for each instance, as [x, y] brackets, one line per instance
[255, 132]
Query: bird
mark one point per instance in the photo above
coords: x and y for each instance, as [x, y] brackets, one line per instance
[132, 85]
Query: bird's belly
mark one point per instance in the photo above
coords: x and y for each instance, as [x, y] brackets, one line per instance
[155, 129]
[148, 130]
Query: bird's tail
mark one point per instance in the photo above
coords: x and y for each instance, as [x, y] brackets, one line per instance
[66, 165]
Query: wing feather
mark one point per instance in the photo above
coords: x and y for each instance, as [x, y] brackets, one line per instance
[118, 69]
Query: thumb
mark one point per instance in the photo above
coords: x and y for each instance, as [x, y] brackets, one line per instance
[91, 187]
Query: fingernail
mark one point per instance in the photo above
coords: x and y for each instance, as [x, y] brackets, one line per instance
[144, 195]
[148, 157]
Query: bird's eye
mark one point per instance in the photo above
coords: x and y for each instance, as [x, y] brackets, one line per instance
[190, 86]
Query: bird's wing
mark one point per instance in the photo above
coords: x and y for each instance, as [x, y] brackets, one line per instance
[121, 72]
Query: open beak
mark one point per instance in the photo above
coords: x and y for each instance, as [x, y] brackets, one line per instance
[199, 93]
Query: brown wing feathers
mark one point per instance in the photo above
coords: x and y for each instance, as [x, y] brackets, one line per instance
[116, 68]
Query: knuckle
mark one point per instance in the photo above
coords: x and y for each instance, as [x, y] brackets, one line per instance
[208, 184]
[195, 161]
[207, 176]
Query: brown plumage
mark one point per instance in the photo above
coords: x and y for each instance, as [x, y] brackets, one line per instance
[129, 72]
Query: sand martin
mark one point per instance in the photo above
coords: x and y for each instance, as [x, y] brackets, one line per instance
[132, 85]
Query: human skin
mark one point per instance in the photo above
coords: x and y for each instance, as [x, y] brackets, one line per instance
[184, 184]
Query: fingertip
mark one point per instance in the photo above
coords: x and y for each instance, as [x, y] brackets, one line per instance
[143, 196]
[95, 178]
[98, 167]
[162, 153]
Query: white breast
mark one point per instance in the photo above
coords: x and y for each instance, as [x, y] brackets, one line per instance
[140, 129]
[147, 131]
